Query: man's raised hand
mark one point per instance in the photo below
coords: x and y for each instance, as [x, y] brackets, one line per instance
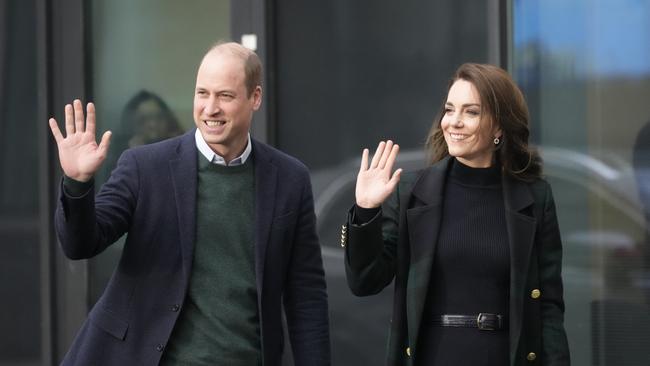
[79, 154]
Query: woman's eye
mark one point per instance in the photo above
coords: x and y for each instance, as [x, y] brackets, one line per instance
[448, 110]
[473, 112]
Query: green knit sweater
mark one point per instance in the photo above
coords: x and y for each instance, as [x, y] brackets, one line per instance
[219, 323]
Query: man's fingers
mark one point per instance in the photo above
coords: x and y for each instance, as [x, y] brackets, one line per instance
[54, 127]
[377, 156]
[69, 120]
[392, 157]
[78, 116]
[106, 142]
[90, 119]
[364, 160]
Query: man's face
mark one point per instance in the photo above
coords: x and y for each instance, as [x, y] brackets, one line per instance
[222, 108]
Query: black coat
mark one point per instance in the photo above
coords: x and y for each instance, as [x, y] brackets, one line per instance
[397, 244]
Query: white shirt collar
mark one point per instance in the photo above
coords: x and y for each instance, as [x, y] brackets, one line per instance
[207, 152]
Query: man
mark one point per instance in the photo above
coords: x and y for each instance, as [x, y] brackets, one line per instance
[221, 229]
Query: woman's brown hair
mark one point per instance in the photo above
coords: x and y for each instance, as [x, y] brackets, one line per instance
[503, 103]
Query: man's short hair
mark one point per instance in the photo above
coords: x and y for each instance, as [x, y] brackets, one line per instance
[252, 63]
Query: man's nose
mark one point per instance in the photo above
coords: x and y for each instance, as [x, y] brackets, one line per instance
[212, 106]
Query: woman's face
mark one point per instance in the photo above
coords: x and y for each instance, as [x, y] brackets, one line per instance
[468, 130]
[151, 122]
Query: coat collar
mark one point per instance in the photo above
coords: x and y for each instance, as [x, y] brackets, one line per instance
[423, 217]
[266, 182]
[184, 173]
[521, 229]
[183, 169]
[429, 187]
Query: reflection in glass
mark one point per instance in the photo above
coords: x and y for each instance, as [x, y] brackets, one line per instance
[138, 47]
[146, 119]
[21, 227]
[586, 80]
[366, 74]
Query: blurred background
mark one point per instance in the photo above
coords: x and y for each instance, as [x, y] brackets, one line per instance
[339, 76]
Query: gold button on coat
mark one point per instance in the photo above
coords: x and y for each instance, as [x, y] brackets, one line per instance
[535, 293]
[408, 351]
[531, 356]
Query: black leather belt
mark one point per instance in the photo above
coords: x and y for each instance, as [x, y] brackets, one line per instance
[482, 321]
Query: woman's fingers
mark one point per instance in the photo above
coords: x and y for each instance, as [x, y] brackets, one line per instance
[377, 157]
[385, 154]
[364, 160]
[394, 179]
[384, 157]
[390, 161]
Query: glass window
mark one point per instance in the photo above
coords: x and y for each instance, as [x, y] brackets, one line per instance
[144, 60]
[348, 75]
[585, 69]
[20, 226]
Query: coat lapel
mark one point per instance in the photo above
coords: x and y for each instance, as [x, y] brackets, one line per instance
[184, 178]
[423, 221]
[266, 178]
[521, 236]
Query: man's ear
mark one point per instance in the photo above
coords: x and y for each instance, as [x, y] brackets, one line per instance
[257, 97]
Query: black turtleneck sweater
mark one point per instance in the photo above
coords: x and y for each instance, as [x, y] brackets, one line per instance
[470, 272]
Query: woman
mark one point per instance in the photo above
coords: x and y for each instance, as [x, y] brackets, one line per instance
[146, 119]
[472, 241]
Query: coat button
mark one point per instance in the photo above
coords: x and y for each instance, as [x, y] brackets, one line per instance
[531, 356]
[408, 351]
[535, 294]
[159, 347]
[175, 307]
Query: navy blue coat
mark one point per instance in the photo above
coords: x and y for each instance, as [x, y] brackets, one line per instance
[151, 195]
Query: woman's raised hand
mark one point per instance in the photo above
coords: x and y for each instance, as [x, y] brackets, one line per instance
[79, 154]
[375, 182]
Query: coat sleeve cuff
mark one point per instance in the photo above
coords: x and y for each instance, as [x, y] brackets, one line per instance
[364, 241]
